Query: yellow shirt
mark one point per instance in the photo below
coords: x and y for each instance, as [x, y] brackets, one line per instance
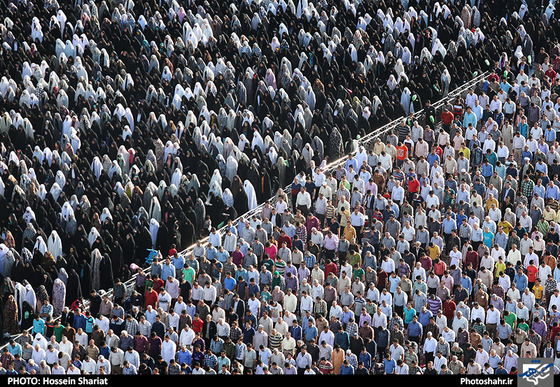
[499, 267]
[466, 152]
[434, 252]
[506, 226]
[489, 203]
[538, 290]
[349, 233]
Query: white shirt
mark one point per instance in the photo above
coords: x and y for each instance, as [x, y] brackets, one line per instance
[478, 313]
[306, 303]
[357, 219]
[448, 336]
[492, 316]
[379, 320]
[554, 300]
[455, 258]
[430, 345]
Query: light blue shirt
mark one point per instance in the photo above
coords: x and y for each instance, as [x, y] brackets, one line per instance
[469, 118]
[167, 271]
[449, 225]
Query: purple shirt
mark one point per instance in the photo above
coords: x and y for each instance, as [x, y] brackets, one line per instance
[540, 328]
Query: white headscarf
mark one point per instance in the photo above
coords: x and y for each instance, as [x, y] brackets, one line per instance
[92, 236]
[154, 228]
[54, 245]
[251, 195]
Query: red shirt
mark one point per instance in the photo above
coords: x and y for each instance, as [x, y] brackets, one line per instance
[197, 323]
[286, 239]
[330, 267]
[494, 77]
[312, 222]
[382, 279]
[158, 284]
[449, 309]
[472, 257]
[439, 268]
[554, 331]
[447, 117]
[426, 262]
[150, 298]
[413, 185]
[532, 273]
[238, 257]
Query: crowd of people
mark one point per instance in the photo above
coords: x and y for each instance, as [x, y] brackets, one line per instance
[131, 128]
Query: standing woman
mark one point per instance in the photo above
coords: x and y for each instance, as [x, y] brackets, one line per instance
[58, 297]
[11, 315]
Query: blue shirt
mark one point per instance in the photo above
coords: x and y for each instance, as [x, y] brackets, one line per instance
[352, 162]
[549, 135]
[505, 86]
[178, 262]
[184, 357]
[229, 283]
[487, 170]
[540, 189]
[15, 349]
[492, 158]
[79, 321]
[39, 326]
[310, 332]
[389, 365]
[414, 329]
[346, 316]
[211, 253]
[466, 282]
[309, 260]
[241, 273]
[366, 359]
[553, 192]
[432, 157]
[424, 318]
[167, 271]
[488, 238]
[521, 281]
[469, 118]
[296, 332]
[342, 339]
[449, 225]
[222, 256]
[393, 283]
[408, 314]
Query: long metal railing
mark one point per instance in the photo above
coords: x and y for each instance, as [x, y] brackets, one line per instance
[365, 141]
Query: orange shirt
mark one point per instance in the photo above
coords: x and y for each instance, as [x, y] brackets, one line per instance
[402, 152]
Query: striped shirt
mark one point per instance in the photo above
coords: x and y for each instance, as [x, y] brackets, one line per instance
[330, 211]
[275, 340]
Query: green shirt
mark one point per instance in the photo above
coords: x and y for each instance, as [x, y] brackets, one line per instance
[359, 272]
[188, 274]
[58, 332]
[355, 259]
[511, 319]
[266, 296]
[523, 327]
